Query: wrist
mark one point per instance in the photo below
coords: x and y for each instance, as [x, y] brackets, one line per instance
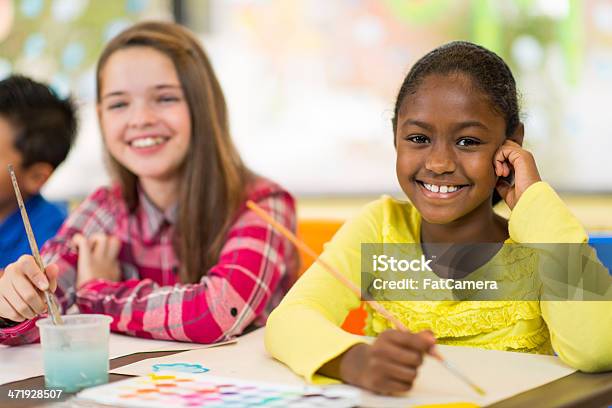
[527, 186]
[352, 363]
[81, 283]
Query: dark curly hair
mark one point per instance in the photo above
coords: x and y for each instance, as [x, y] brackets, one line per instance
[45, 125]
[488, 72]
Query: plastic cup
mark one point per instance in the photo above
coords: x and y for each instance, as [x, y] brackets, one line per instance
[76, 353]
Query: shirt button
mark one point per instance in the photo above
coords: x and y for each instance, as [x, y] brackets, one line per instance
[234, 311]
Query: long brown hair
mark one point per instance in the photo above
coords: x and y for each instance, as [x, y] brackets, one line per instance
[214, 178]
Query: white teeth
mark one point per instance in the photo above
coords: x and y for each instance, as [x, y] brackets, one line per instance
[442, 189]
[147, 141]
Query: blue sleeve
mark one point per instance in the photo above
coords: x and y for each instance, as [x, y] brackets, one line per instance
[48, 221]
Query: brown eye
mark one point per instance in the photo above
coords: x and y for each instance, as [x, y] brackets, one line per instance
[468, 142]
[418, 139]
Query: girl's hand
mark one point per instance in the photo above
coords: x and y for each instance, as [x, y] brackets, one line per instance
[97, 258]
[512, 158]
[390, 364]
[21, 286]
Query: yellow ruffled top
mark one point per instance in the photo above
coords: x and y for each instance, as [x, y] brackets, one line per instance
[304, 333]
[509, 326]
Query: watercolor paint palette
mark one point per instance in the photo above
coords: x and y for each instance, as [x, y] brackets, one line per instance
[175, 389]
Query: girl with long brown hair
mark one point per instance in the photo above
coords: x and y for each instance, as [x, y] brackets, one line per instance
[169, 250]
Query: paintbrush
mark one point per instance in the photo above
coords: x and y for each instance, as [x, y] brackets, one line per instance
[353, 288]
[56, 318]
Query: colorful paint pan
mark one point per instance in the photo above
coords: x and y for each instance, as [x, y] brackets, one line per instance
[184, 389]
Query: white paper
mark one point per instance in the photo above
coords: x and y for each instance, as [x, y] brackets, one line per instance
[21, 362]
[501, 374]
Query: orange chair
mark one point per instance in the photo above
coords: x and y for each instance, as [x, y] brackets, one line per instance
[315, 233]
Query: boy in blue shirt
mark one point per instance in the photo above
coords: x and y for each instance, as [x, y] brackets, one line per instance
[37, 130]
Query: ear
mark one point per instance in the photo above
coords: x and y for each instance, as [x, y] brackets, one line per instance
[518, 134]
[34, 177]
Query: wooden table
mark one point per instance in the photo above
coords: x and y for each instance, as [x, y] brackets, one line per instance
[577, 390]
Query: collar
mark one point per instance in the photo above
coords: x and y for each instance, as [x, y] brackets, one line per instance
[151, 217]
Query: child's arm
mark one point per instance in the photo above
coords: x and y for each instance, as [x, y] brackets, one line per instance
[304, 331]
[581, 331]
[93, 215]
[232, 294]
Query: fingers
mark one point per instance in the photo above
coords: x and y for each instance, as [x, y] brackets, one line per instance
[98, 244]
[28, 267]
[510, 159]
[33, 298]
[97, 257]
[402, 355]
[20, 306]
[398, 372]
[20, 293]
[393, 360]
[21, 286]
[506, 156]
[400, 376]
[386, 376]
[52, 272]
[429, 335]
[114, 246]
[8, 312]
[388, 386]
[80, 241]
[84, 248]
[505, 169]
[419, 342]
[103, 246]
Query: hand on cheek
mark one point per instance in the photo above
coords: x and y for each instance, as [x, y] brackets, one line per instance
[512, 158]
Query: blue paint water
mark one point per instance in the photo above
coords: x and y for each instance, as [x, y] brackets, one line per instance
[72, 370]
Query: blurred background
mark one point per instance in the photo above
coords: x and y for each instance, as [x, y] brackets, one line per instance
[310, 84]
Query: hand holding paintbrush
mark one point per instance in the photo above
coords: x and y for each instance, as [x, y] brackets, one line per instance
[26, 286]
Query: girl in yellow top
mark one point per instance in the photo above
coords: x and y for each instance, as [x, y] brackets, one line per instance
[458, 139]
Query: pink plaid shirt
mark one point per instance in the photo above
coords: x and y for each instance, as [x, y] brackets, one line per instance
[253, 272]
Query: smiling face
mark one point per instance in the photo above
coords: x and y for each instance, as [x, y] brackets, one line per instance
[143, 113]
[447, 135]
